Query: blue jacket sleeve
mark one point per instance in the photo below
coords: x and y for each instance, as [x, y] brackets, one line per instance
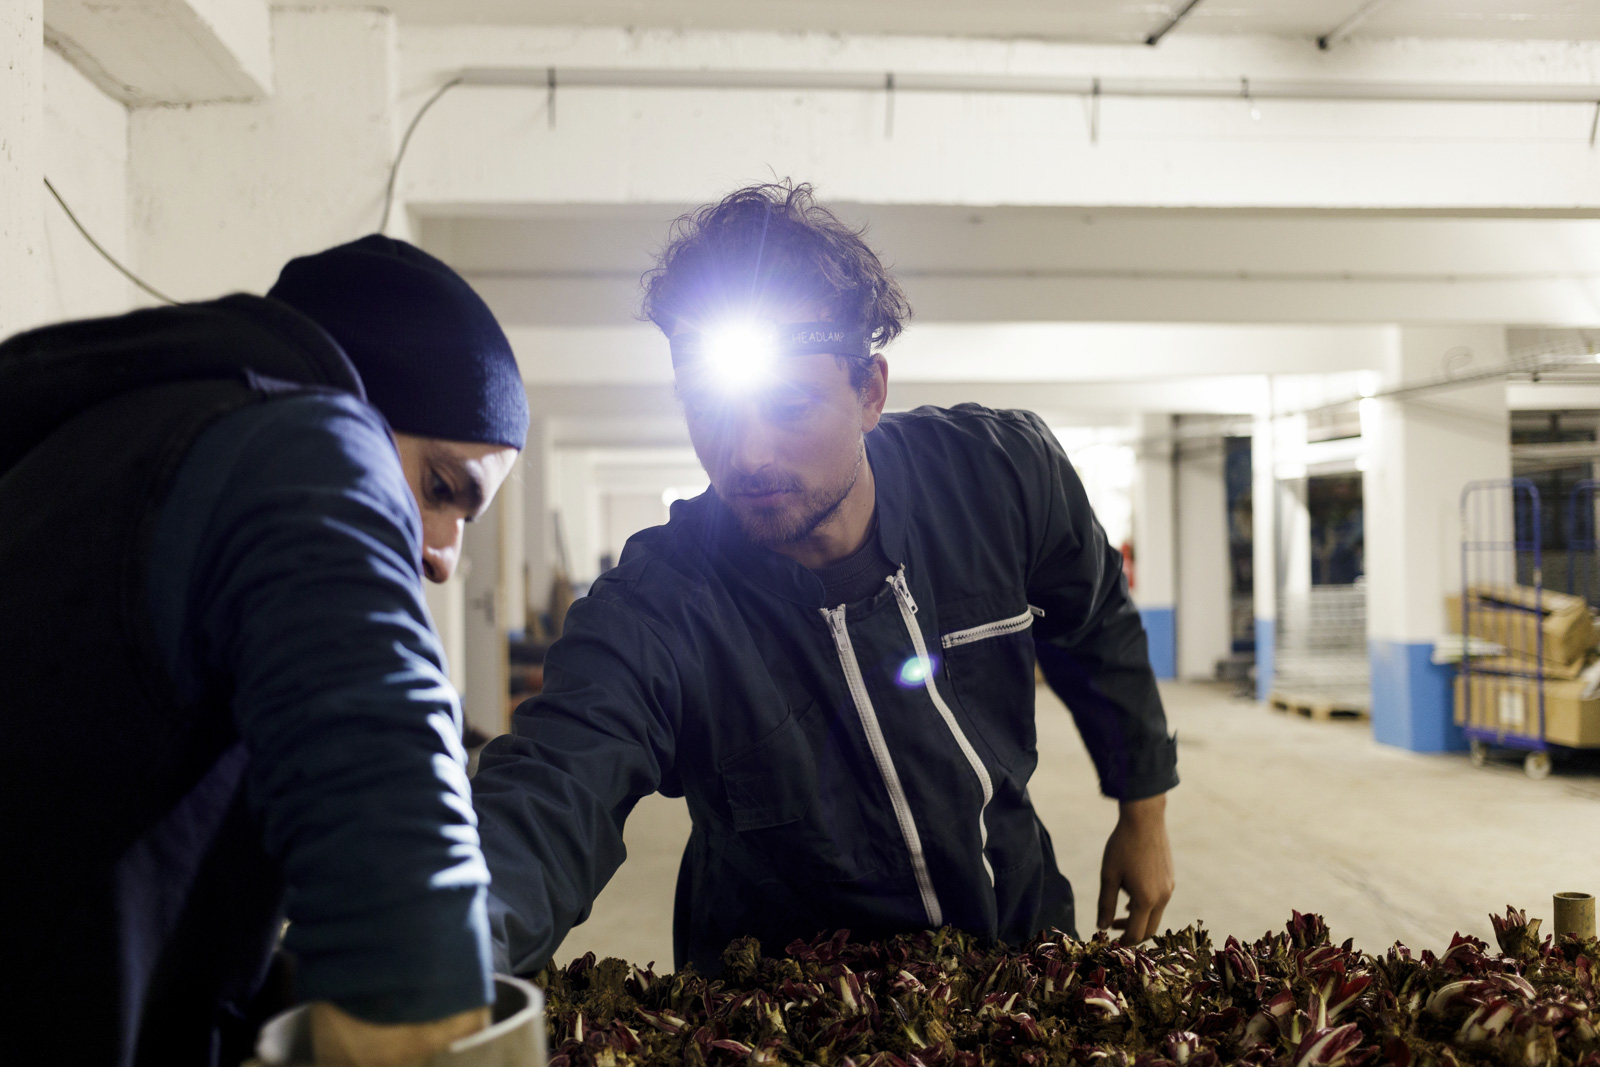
[304, 599]
[553, 795]
[1091, 642]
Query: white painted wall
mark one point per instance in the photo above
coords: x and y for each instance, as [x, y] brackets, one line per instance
[21, 164]
[86, 159]
[224, 194]
[1423, 452]
[1205, 628]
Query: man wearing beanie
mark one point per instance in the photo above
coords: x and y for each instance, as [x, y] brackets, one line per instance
[225, 703]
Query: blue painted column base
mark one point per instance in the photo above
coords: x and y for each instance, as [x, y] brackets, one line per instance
[1266, 644]
[1161, 631]
[1413, 704]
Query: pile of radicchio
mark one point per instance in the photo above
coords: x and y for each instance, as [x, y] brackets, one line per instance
[940, 999]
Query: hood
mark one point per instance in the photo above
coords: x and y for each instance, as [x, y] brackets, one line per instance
[50, 375]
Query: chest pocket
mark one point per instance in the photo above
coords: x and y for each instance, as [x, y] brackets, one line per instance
[799, 812]
[988, 653]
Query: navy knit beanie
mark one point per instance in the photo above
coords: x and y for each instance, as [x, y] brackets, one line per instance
[429, 351]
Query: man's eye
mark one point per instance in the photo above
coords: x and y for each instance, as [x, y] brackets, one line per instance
[789, 411]
[440, 491]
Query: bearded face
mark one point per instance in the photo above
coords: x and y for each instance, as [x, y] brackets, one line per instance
[776, 508]
[784, 458]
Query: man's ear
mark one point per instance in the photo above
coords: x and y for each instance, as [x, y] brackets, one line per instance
[874, 394]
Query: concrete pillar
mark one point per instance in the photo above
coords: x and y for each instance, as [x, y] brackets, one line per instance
[1292, 525]
[1205, 624]
[1422, 450]
[512, 607]
[537, 533]
[447, 604]
[1264, 537]
[1154, 542]
[483, 633]
[22, 192]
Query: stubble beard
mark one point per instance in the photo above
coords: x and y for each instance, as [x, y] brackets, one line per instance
[790, 524]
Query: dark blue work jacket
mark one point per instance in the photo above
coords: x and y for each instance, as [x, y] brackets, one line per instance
[829, 785]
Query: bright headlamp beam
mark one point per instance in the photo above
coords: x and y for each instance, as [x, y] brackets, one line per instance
[742, 353]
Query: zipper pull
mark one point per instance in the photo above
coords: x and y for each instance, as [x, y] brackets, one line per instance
[897, 581]
[1038, 613]
[835, 617]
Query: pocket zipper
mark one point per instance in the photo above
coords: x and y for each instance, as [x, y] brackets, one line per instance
[999, 628]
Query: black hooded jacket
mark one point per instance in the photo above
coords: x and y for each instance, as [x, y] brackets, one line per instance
[829, 785]
[222, 694]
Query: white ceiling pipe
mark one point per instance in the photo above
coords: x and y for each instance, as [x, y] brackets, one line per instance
[1165, 88]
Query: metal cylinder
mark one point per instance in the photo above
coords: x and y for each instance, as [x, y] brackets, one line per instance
[515, 1037]
[1574, 914]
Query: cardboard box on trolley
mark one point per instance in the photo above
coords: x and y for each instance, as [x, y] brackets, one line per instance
[1516, 616]
[1508, 705]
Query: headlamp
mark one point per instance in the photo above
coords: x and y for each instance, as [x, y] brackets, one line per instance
[743, 352]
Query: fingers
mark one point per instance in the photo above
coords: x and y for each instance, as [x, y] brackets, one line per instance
[1137, 923]
[1155, 919]
[1110, 882]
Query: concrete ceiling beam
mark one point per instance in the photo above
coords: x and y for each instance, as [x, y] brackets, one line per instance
[496, 146]
[152, 52]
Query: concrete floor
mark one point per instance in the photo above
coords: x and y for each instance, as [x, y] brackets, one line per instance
[1274, 813]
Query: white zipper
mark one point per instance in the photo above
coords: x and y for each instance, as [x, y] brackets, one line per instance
[999, 628]
[908, 609]
[880, 754]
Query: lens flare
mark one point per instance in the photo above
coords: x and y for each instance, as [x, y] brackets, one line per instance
[741, 353]
[915, 671]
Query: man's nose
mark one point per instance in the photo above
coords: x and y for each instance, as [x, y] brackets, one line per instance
[441, 551]
[749, 442]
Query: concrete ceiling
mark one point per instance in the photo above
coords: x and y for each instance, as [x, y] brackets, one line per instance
[1109, 21]
[579, 265]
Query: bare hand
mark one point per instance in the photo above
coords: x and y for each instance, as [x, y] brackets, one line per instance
[339, 1039]
[1138, 861]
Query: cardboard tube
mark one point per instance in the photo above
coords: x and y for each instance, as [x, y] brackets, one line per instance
[1574, 914]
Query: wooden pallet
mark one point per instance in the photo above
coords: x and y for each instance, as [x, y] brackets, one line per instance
[1316, 707]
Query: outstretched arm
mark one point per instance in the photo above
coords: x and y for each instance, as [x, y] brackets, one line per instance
[552, 796]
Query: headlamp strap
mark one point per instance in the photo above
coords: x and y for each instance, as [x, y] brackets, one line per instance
[789, 339]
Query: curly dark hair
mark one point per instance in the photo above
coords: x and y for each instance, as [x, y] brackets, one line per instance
[772, 246]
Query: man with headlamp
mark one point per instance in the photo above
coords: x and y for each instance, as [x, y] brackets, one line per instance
[831, 652]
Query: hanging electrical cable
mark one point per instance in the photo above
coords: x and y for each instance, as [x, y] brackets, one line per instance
[405, 141]
[1171, 23]
[109, 258]
[1348, 26]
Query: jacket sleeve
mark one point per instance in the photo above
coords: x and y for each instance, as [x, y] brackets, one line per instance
[307, 601]
[552, 796]
[1090, 641]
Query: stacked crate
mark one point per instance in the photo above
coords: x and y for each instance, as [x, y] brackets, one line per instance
[1320, 664]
